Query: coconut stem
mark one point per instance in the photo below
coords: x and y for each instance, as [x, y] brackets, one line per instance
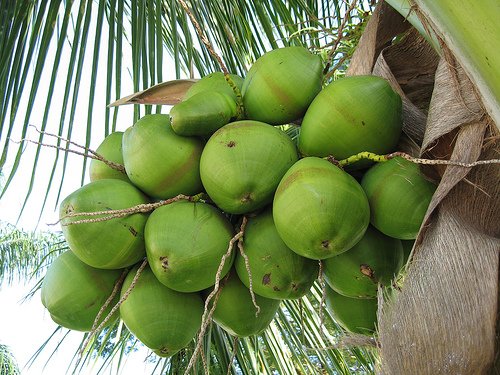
[383, 158]
[233, 356]
[250, 280]
[209, 310]
[337, 42]
[125, 295]
[140, 208]
[88, 152]
[204, 361]
[116, 289]
[239, 99]
[205, 319]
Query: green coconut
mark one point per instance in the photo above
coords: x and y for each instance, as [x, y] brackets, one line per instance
[161, 318]
[109, 244]
[202, 114]
[160, 162]
[111, 150]
[319, 210]
[399, 196]
[185, 243]
[281, 84]
[277, 272]
[215, 82]
[235, 312]
[242, 164]
[351, 115]
[356, 315]
[74, 292]
[374, 260]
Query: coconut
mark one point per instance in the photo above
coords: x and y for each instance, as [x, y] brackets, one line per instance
[356, 315]
[202, 114]
[235, 311]
[111, 150]
[277, 272]
[242, 164]
[351, 115]
[374, 260]
[399, 196]
[215, 82]
[185, 242]
[319, 210]
[281, 84]
[110, 244]
[160, 162]
[74, 292]
[162, 319]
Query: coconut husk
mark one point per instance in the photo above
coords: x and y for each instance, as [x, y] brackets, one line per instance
[443, 320]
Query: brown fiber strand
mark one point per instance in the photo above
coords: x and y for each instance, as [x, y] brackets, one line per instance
[338, 40]
[113, 214]
[93, 155]
[203, 37]
[116, 289]
[208, 45]
[204, 361]
[206, 319]
[89, 152]
[209, 310]
[250, 280]
[117, 306]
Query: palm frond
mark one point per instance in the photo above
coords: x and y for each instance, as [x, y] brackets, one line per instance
[8, 364]
[25, 255]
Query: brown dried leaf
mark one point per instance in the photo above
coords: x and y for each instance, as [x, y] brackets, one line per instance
[165, 93]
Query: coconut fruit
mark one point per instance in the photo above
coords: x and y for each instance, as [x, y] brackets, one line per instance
[399, 196]
[351, 115]
[74, 292]
[281, 84]
[242, 164]
[162, 319]
[356, 315]
[215, 82]
[277, 272]
[185, 242]
[110, 149]
[374, 260]
[236, 313]
[202, 114]
[160, 162]
[319, 210]
[112, 243]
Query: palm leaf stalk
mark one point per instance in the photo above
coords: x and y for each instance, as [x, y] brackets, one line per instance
[447, 25]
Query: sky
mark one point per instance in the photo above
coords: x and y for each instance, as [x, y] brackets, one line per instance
[24, 326]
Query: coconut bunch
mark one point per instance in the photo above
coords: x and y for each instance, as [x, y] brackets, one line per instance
[222, 157]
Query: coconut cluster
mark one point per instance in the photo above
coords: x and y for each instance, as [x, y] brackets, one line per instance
[224, 150]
